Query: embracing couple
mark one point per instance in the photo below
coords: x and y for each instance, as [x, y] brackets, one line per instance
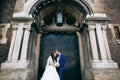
[54, 67]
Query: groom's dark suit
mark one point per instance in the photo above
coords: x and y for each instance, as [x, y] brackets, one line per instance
[61, 66]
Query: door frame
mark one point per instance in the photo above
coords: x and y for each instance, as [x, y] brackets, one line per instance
[80, 47]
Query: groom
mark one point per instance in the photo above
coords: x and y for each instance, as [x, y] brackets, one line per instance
[60, 63]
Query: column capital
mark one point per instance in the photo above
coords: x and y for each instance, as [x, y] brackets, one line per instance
[20, 26]
[91, 27]
[104, 27]
[39, 34]
[98, 26]
[28, 28]
[14, 29]
[78, 34]
[5, 24]
[16, 25]
[27, 25]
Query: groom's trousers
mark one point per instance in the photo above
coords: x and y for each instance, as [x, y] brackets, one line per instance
[60, 72]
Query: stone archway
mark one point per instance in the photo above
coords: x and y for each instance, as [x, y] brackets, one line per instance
[40, 10]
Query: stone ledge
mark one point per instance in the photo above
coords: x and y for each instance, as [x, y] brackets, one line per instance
[105, 65]
[14, 65]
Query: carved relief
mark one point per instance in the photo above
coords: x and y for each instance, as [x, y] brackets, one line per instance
[117, 32]
[115, 28]
[3, 32]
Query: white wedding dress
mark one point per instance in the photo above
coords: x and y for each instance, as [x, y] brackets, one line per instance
[50, 72]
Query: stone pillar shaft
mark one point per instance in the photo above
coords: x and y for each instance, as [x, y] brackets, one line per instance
[80, 49]
[80, 52]
[106, 43]
[37, 52]
[18, 41]
[23, 57]
[101, 42]
[93, 43]
[12, 45]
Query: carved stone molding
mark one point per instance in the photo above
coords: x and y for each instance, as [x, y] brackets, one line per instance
[3, 31]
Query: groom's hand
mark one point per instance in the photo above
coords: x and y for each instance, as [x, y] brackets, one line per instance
[57, 64]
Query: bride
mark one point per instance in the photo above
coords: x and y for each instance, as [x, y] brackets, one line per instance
[50, 72]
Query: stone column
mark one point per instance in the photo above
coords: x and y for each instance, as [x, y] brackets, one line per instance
[101, 42]
[37, 52]
[80, 52]
[18, 41]
[12, 45]
[93, 43]
[80, 49]
[106, 43]
[23, 57]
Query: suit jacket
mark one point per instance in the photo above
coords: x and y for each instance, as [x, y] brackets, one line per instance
[61, 62]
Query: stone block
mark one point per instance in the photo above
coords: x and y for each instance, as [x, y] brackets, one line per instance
[14, 65]
[19, 74]
[102, 74]
[105, 65]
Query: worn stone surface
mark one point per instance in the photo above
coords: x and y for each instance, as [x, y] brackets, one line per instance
[102, 74]
[113, 10]
[114, 47]
[99, 6]
[19, 5]
[6, 10]
[106, 74]
[21, 74]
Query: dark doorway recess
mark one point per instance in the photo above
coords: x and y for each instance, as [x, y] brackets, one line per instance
[68, 45]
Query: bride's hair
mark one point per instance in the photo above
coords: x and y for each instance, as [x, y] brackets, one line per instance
[53, 58]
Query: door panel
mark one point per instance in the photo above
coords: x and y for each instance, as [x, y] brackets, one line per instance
[68, 45]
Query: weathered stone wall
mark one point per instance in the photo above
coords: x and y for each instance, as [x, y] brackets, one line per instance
[6, 10]
[113, 13]
[106, 74]
[19, 5]
[113, 10]
[102, 74]
[114, 47]
[99, 6]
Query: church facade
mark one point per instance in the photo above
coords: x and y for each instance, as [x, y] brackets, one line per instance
[87, 32]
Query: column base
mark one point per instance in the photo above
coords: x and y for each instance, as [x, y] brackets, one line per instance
[105, 64]
[102, 74]
[96, 61]
[18, 74]
[111, 61]
[14, 65]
